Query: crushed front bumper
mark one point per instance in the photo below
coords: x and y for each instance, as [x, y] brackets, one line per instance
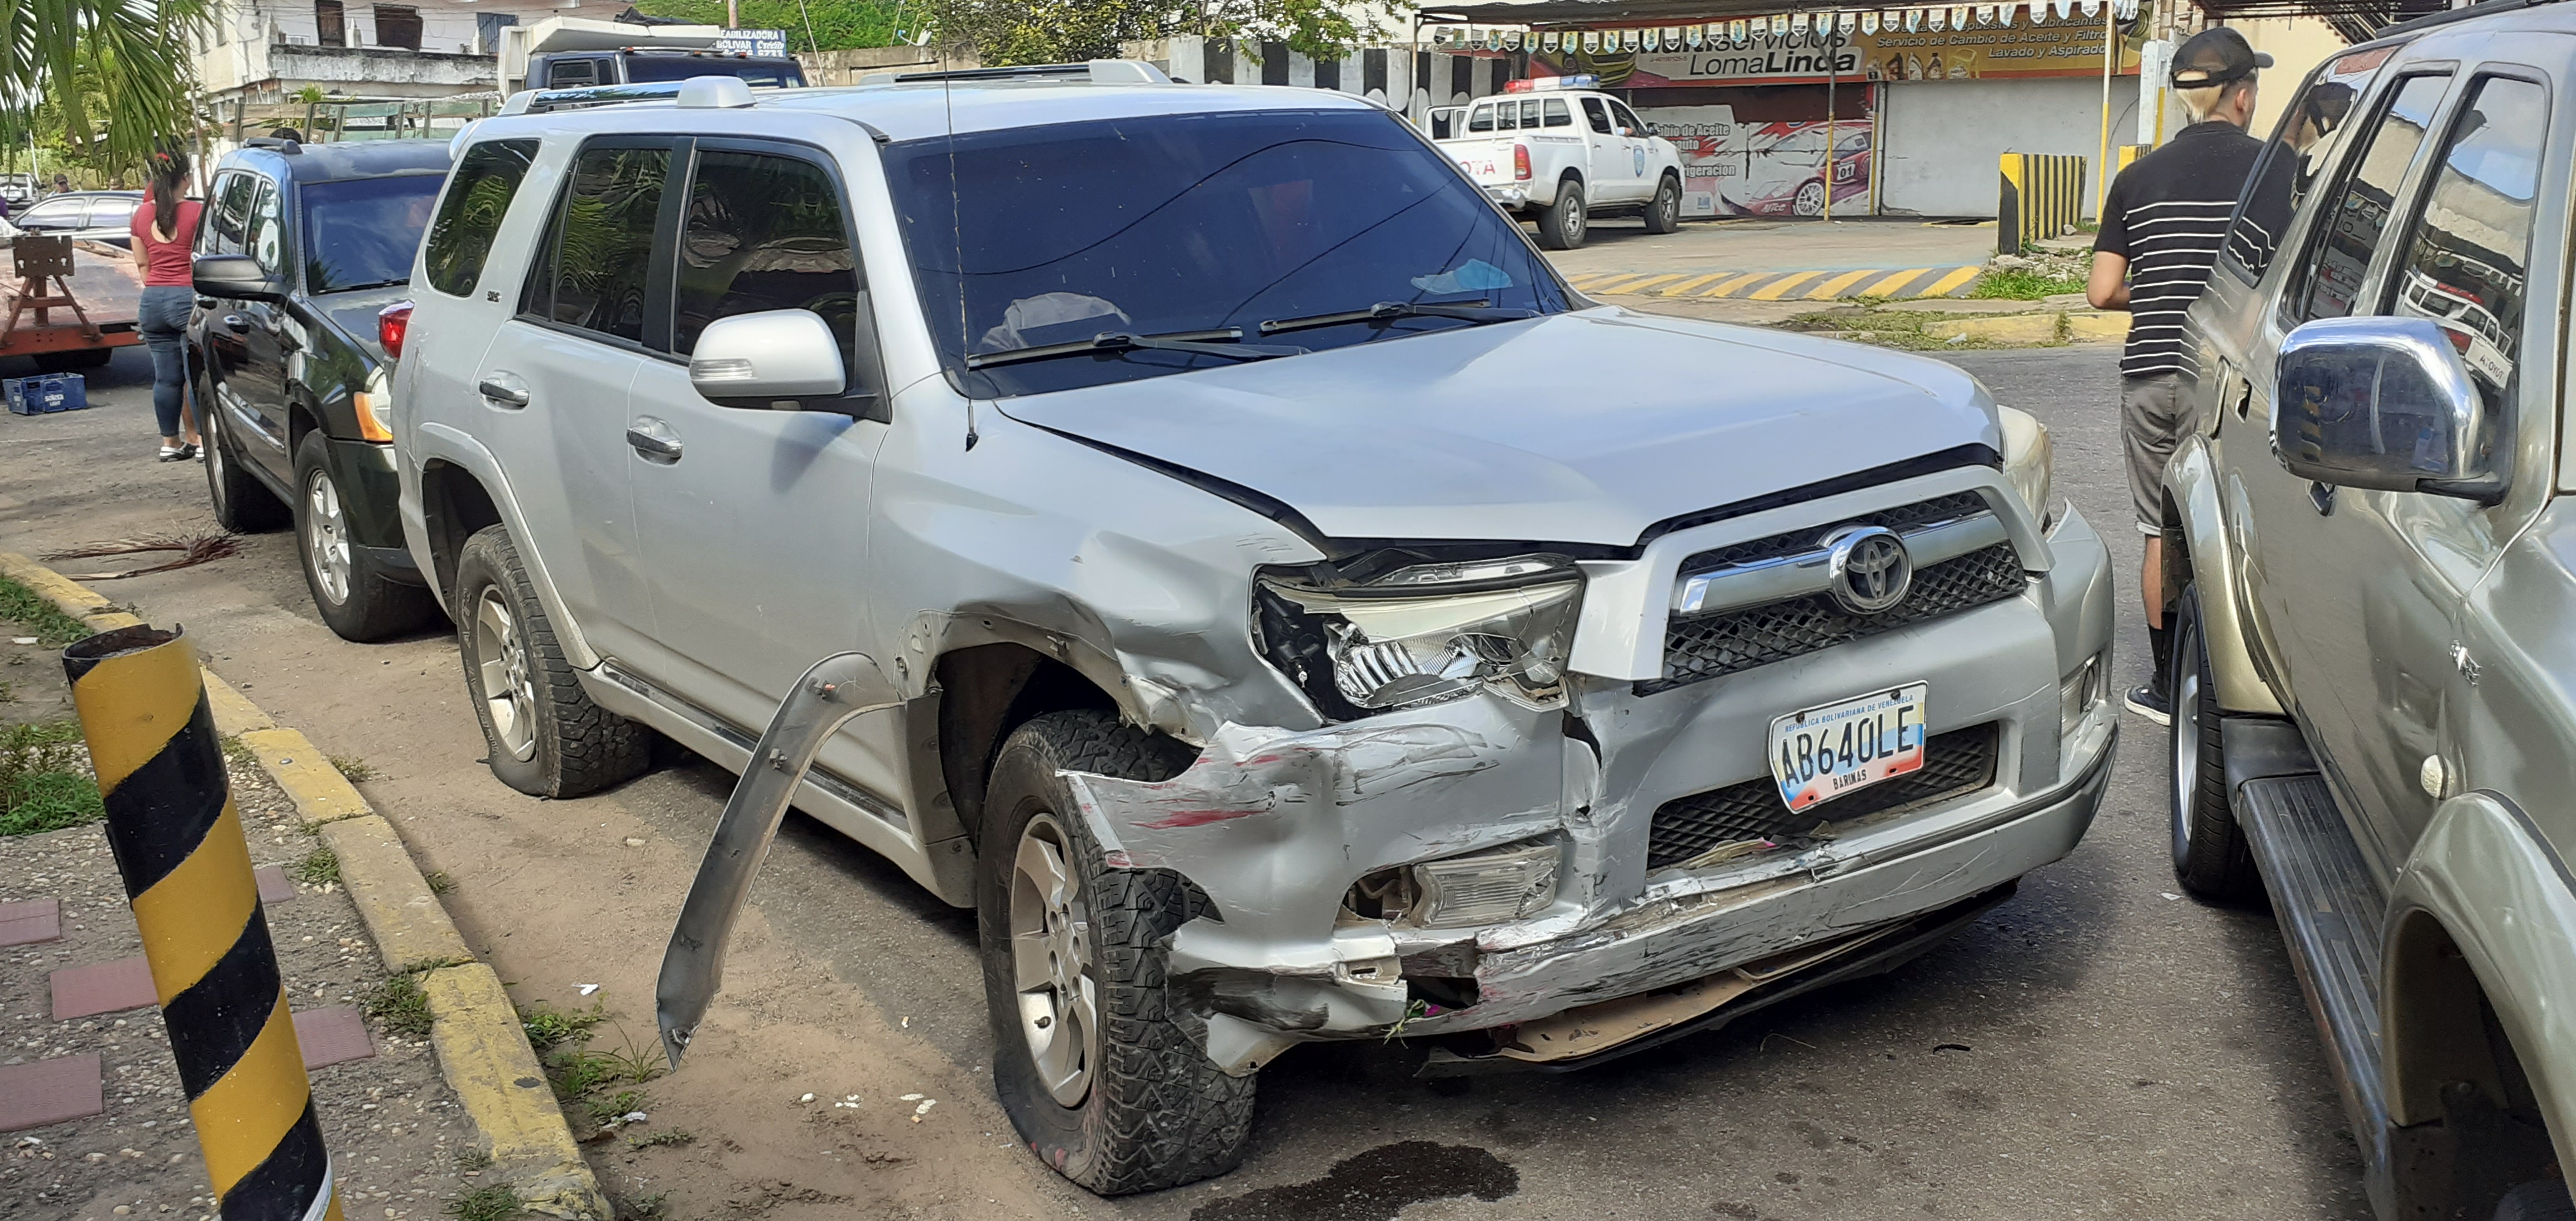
[1275, 826]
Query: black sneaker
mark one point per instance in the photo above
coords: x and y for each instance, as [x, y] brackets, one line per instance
[2151, 703]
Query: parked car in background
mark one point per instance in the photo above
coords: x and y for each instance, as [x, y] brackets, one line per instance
[98, 216]
[639, 65]
[1556, 151]
[2370, 536]
[1278, 636]
[300, 249]
[19, 189]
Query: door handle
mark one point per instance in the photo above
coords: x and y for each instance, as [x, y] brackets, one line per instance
[2322, 495]
[237, 324]
[504, 393]
[654, 440]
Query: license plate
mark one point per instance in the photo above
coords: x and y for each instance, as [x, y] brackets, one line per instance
[1824, 752]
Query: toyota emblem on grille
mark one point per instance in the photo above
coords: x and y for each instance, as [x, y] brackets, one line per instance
[1869, 568]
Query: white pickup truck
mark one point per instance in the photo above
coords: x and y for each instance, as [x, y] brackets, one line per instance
[1557, 152]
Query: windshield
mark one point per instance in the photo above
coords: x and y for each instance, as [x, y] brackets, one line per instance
[363, 232]
[1173, 224]
[777, 72]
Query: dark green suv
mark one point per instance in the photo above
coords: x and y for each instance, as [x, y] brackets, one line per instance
[301, 249]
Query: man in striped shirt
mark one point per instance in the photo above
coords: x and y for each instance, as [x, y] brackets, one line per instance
[2161, 226]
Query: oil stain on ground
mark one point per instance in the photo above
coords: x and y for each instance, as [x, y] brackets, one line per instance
[1375, 1185]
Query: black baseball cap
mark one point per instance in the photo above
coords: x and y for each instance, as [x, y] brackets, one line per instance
[2215, 56]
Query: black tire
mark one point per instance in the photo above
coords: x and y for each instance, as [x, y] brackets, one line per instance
[558, 744]
[355, 597]
[1664, 211]
[73, 362]
[2210, 855]
[1562, 224]
[1153, 1111]
[242, 503]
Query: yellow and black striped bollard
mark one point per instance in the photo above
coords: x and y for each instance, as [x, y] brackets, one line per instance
[187, 870]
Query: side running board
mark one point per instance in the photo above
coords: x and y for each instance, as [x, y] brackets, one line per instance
[2327, 900]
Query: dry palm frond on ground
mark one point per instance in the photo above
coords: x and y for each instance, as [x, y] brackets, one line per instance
[193, 550]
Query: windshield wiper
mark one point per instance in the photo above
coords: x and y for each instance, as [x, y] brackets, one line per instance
[1388, 311]
[1226, 342]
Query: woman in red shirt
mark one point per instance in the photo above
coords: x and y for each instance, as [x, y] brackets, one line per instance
[165, 230]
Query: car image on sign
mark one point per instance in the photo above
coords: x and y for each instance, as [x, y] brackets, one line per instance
[1821, 753]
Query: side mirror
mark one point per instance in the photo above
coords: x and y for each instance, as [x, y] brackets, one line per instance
[2387, 404]
[773, 359]
[239, 276]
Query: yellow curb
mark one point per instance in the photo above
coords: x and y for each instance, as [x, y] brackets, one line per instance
[2002, 328]
[1895, 280]
[2097, 327]
[1833, 288]
[1686, 287]
[483, 1051]
[1733, 283]
[478, 1037]
[1779, 288]
[1653, 282]
[321, 793]
[401, 911]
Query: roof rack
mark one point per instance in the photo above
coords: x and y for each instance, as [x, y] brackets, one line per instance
[711, 92]
[1098, 72]
[285, 147]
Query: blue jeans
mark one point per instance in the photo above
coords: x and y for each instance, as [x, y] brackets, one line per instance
[164, 323]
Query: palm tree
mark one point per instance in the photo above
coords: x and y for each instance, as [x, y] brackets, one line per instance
[130, 59]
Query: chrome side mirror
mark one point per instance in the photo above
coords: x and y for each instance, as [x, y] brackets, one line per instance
[2384, 403]
[774, 359]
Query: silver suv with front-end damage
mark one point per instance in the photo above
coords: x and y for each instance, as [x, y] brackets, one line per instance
[1240, 568]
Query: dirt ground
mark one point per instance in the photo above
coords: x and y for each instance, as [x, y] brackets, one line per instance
[391, 1124]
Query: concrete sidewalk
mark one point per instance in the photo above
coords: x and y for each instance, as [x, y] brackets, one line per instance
[1776, 260]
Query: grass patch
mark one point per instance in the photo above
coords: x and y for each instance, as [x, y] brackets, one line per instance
[45, 781]
[239, 752]
[41, 616]
[353, 768]
[471, 1160]
[667, 1136]
[439, 882]
[2018, 285]
[1886, 328]
[320, 867]
[493, 1203]
[645, 1208]
[402, 1008]
[549, 1027]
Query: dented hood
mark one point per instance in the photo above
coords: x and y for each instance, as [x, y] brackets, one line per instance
[1578, 428]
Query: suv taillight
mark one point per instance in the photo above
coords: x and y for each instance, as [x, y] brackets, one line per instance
[392, 323]
[1520, 162]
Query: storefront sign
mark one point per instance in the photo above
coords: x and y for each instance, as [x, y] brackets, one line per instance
[753, 42]
[1977, 52]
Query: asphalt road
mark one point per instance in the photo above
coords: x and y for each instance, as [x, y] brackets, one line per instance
[2095, 1047]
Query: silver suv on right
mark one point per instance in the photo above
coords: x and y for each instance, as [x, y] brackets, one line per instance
[2375, 650]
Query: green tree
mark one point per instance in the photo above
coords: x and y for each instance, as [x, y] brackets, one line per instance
[835, 25]
[116, 75]
[1063, 31]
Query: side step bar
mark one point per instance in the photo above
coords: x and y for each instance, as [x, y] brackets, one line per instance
[2328, 903]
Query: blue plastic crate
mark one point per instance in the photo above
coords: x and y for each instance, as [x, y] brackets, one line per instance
[45, 392]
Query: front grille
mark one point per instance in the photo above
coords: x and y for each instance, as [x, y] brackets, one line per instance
[1712, 645]
[1954, 763]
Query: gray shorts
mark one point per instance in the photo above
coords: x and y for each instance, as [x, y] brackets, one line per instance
[2152, 417]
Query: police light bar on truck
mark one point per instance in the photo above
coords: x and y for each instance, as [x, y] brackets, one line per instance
[1544, 84]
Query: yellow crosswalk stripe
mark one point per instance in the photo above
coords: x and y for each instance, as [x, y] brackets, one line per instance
[1895, 280]
[1590, 278]
[1734, 283]
[1833, 288]
[1650, 282]
[1950, 282]
[1623, 283]
[1779, 288]
[1685, 288]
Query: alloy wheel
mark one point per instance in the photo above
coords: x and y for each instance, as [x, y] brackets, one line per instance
[2186, 740]
[326, 536]
[1051, 961]
[509, 694]
[214, 439]
[1811, 199]
[1575, 218]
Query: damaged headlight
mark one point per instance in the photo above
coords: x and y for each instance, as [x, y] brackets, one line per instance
[1423, 633]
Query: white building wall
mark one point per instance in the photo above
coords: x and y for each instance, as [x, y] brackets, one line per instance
[1941, 141]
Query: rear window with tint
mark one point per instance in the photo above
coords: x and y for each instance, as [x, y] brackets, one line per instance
[469, 216]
